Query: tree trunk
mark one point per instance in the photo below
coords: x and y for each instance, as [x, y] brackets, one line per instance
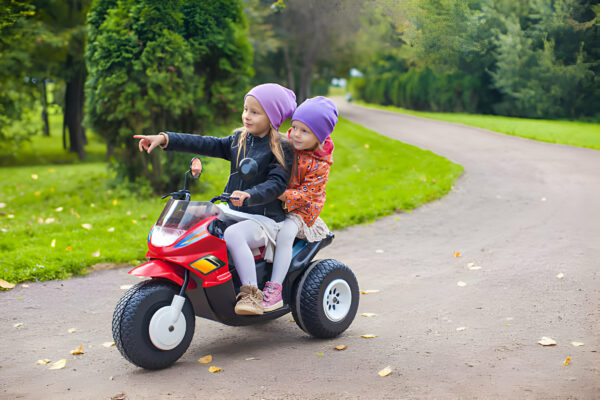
[73, 112]
[45, 109]
[289, 67]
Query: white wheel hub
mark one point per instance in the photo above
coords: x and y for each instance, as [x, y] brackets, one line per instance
[164, 333]
[337, 299]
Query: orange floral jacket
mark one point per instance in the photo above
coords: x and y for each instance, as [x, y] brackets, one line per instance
[305, 194]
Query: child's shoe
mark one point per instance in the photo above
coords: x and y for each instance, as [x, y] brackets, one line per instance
[249, 301]
[272, 296]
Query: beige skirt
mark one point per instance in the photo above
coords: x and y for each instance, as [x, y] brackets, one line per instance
[315, 232]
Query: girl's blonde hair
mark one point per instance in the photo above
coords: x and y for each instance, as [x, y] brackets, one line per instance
[274, 141]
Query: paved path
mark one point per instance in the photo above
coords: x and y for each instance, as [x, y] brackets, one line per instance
[524, 211]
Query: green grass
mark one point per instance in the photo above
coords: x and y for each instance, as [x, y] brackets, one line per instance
[574, 133]
[372, 176]
[46, 150]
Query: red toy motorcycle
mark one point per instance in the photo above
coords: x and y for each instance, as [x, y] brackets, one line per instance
[191, 275]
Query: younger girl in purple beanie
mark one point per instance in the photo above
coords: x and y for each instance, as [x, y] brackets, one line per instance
[265, 108]
[312, 123]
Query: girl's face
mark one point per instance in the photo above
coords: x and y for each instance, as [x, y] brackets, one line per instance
[302, 137]
[255, 118]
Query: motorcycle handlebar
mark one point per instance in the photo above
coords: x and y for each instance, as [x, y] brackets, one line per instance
[226, 197]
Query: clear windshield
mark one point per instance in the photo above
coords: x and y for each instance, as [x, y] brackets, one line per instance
[179, 216]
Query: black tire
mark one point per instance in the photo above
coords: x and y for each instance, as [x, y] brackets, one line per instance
[131, 321]
[308, 297]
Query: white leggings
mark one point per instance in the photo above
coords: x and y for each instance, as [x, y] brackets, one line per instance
[283, 251]
[241, 237]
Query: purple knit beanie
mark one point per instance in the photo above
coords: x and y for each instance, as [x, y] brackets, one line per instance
[319, 114]
[278, 102]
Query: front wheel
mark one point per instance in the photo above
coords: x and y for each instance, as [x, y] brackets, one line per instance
[325, 299]
[143, 330]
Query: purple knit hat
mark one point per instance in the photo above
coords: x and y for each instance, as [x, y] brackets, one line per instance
[278, 102]
[319, 114]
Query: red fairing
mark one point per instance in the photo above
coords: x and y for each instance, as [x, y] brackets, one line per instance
[162, 269]
[205, 255]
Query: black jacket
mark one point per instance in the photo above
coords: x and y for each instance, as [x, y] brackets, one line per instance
[270, 182]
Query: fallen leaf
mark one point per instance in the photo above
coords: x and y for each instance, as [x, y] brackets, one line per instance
[460, 329]
[546, 341]
[319, 354]
[560, 276]
[108, 344]
[72, 330]
[53, 243]
[86, 226]
[368, 314]
[212, 370]
[126, 287]
[96, 254]
[368, 336]
[567, 361]
[456, 254]
[385, 372]
[18, 325]
[60, 364]
[6, 285]
[292, 320]
[42, 362]
[577, 344]
[370, 291]
[341, 347]
[78, 350]
[205, 360]
[461, 284]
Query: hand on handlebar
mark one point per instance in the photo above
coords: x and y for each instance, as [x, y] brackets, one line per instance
[237, 198]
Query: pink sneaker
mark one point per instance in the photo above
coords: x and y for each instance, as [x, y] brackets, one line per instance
[272, 296]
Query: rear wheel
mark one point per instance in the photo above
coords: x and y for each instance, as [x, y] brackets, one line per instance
[142, 325]
[325, 299]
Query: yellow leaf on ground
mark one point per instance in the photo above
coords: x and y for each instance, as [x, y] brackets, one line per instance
[60, 364]
[72, 330]
[386, 371]
[205, 360]
[78, 350]
[370, 291]
[108, 344]
[341, 347]
[18, 325]
[42, 362]
[577, 344]
[567, 361]
[212, 370]
[292, 320]
[546, 341]
[456, 254]
[319, 354]
[6, 285]
[560, 276]
[368, 314]
[86, 226]
[368, 336]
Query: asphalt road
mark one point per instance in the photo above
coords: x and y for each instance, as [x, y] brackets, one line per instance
[523, 211]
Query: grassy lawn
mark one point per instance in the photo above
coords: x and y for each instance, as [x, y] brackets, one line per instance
[582, 134]
[58, 220]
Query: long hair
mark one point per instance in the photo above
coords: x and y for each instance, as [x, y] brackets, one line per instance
[274, 142]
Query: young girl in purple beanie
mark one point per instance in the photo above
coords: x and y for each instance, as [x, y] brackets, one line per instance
[312, 123]
[265, 108]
